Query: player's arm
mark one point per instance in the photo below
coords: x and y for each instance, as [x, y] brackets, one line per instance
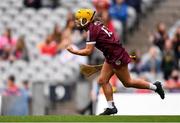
[83, 52]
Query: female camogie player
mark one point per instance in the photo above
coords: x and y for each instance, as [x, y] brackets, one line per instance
[116, 58]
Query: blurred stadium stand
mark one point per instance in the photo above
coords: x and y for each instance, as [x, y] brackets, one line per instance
[166, 12]
[49, 77]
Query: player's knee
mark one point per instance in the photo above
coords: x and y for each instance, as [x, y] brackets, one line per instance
[128, 84]
[101, 81]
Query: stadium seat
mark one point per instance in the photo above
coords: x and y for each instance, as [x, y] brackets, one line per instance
[47, 26]
[68, 4]
[55, 65]
[1, 12]
[29, 73]
[14, 26]
[37, 19]
[43, 32]
[13, 71]
[4, 5]
[34, 38]
[34, 55]
[47, 72]
[46, 59]
[54, 18]
[85, 4]
[22, 78]
[20, 65]
[29, 12]
[21, 19]
[6, 20]
[39, 77]
[37, 66]
[61, 11]
[58, 78]
[4, 66]
[23, 32]
[17, 4]
[45, 12]
[12, 12]
[69, 75]
[31, 26]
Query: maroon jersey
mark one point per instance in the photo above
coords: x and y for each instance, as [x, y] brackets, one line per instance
[108, 43]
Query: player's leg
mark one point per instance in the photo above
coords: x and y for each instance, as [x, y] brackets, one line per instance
[124, 76]
[105, 75]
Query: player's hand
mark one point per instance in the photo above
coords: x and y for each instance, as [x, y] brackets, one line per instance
[70, 49]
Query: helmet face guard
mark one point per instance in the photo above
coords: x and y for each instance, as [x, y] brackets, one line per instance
[84, 16]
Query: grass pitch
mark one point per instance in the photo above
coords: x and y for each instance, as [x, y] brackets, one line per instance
[79, 118]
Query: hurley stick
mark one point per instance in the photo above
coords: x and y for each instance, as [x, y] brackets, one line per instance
[88, 70]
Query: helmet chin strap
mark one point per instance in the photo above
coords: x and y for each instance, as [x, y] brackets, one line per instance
[82, 23]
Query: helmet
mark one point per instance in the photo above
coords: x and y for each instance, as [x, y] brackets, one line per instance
[84, 16]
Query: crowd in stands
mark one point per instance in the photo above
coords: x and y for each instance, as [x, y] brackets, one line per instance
[11, 48]
[160, 62]
[12, 89]
[15, 99]
[162, 57]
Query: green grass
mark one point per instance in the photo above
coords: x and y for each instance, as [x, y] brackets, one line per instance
[74, 118]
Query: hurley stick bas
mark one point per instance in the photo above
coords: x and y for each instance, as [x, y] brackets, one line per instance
[88, 70]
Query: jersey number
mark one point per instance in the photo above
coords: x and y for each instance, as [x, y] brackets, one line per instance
[106, 31]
